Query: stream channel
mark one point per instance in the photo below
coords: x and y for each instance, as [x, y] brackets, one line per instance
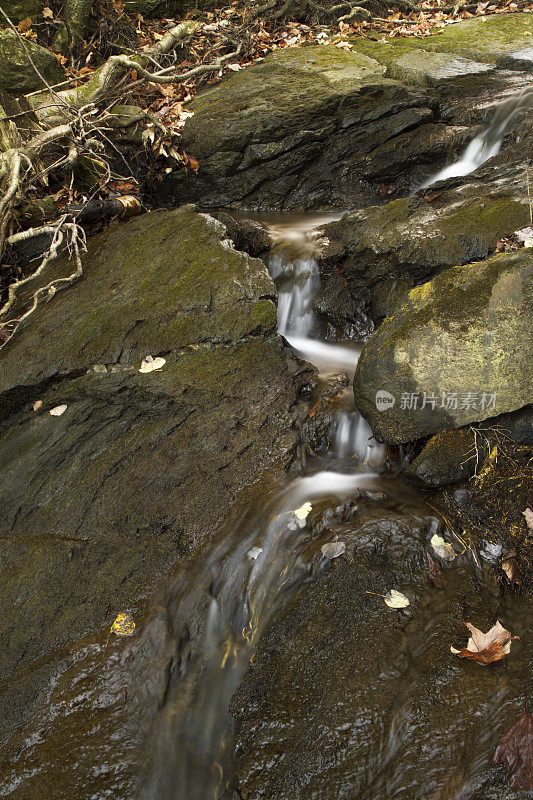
[269, 557]
[409, 720]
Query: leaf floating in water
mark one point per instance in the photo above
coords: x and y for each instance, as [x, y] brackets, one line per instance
[254, 553]
[528, 514]
[485, 648]
[150, 364]
[37, 405]
[303, 511]
[435, 573]
[442, 548]
[58, 410]
[333, 549]
[123, 625]
[515, 750]
[511, 568]
[396, 599]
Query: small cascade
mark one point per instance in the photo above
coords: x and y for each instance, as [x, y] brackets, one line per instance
[486, 144]
[299, 282]
[228, 598]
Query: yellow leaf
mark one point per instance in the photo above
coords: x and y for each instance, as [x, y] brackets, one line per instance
[303, 511]
[396, 599]
[123, 625]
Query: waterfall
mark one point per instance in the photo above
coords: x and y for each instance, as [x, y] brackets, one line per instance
[486, 144]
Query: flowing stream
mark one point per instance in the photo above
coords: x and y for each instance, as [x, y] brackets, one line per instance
[259, 563]
[487, 143]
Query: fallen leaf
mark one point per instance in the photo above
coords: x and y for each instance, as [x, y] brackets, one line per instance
[123, 625]
[511, 568]
[382, 191]
[150, 364]
[435, 573]
[396, 599]
[24, 25]
[37, 405]
[443, 549]
[48, 13]
[58, 410]
[485, 648]
[333, 549]
[254, 553]
[515, 750]
[528, 514]
[303, 511]
[313, 410]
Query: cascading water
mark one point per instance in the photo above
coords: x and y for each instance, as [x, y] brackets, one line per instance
[488, 143]
[260, 562]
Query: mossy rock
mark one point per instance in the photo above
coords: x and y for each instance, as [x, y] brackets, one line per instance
[18, 75]
[466, 333]
[448, 458]
[99, 504]
[168, 8]
[18, 10]
[501, 40]
[409, 239]
[280, 133]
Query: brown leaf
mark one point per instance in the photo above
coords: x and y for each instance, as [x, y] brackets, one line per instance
[515, 750]
[313, 410]
[382, 191]
[485, 648]
[429, 198]
[24, 25]
[435, 573]
[500, 246]
[193, 164]
[48, 13]
[511, 568]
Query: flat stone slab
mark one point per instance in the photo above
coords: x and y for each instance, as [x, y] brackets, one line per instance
[433, 69]
[503, 39]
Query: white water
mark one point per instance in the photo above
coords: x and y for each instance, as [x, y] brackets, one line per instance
[298, 283]
[244, 580]
[478, 151]
[488, 143]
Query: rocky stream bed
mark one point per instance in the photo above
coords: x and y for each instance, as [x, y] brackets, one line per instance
[281, 674]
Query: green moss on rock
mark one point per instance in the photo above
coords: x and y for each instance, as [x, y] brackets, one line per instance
[466, 332]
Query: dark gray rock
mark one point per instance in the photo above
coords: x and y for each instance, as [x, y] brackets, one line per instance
[100, 503]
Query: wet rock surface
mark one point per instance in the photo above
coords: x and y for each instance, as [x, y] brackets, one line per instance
[398, 715]
[319, 128]
[467, 331]
[99, 503]
[305, 119]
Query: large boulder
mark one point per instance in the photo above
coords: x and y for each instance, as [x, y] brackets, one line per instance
[18, 75]
[456, 351]
[409, 240]
[294, 130]
[100, 503]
